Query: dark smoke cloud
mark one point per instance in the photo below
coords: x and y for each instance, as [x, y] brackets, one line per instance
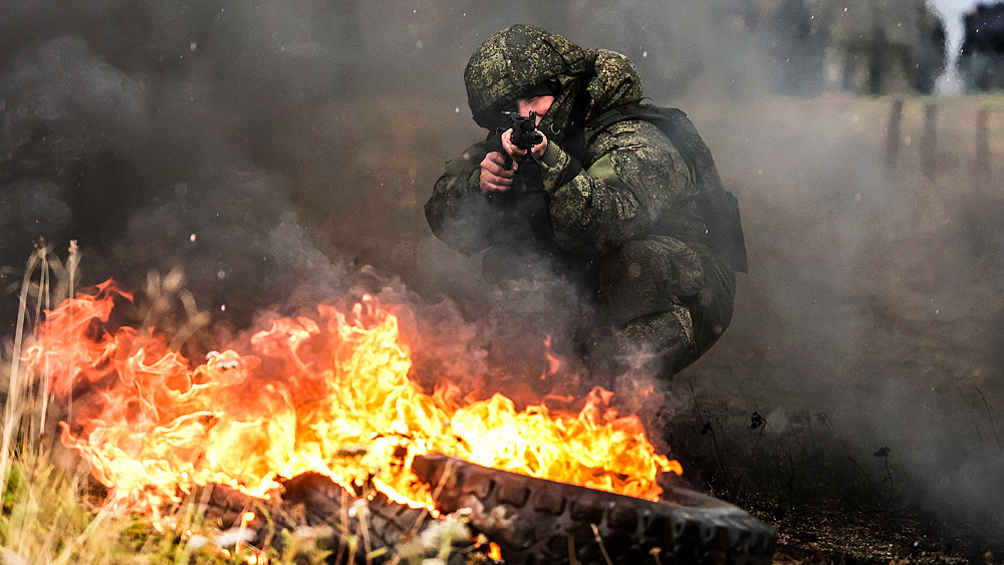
[160, 121]
[174, 133]
[25, 202]
[127, 129]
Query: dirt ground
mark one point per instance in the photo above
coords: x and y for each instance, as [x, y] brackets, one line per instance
[853, 402]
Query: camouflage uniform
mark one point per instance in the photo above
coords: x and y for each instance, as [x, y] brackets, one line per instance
[618, 213]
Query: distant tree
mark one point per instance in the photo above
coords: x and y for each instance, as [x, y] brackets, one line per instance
[981, 57]
[796, 48]
[877, 46]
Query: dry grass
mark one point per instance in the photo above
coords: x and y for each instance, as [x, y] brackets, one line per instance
[55, 513]
[51, 512]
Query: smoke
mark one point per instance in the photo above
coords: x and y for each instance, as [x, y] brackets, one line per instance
[870, 305]
[272, 149]
[125, 127]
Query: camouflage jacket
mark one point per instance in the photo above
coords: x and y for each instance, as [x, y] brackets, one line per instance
[610, 185]
[629, 182]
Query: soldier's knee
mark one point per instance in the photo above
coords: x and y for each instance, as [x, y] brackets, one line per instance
[648, 276]
[629, 283]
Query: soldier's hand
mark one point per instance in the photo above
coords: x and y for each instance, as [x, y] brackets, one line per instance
[494, 176]
[518, 154]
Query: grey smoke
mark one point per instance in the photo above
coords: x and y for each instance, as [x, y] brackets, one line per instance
[135, 157]
[165, 133]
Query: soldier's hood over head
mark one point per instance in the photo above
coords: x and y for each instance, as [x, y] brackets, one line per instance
[521, 59]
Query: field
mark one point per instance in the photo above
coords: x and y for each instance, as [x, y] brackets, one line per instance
[854, 402]
[866, 336]
[866, 333]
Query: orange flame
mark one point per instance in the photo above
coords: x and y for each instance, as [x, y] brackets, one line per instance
[329, 394]
[494, 551]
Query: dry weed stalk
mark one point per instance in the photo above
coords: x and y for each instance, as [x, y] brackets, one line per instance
[46, 515]
[23, 397]
[48, 518]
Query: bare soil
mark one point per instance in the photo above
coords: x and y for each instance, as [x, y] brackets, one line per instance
[854, 401]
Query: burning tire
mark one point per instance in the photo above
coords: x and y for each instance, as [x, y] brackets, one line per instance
[536, 522]
[386, 523]
[312, 499]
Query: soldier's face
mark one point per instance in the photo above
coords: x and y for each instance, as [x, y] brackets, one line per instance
[539, 104]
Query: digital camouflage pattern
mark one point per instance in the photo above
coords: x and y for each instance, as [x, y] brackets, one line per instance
[621, 210]
[514, 60]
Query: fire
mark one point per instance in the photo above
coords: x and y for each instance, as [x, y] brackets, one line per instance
[328, 394]
[494, 551]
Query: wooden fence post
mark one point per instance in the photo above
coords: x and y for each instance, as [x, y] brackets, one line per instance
[982, 145]
[893, 132]
[929, 142]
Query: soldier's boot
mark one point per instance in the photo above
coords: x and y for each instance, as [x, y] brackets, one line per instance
[659, 344]
[652, 330]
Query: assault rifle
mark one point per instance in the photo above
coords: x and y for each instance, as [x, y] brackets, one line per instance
[526, 202]
[524, 132]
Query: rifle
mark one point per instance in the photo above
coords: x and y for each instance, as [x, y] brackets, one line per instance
[524, 132]
[525, 205]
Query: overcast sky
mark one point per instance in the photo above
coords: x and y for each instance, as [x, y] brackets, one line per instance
[952, 11]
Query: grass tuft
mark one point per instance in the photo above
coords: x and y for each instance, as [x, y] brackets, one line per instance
[54, 512]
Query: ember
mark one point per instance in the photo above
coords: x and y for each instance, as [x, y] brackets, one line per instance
[328, 394]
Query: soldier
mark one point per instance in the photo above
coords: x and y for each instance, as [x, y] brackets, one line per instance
[618, 199]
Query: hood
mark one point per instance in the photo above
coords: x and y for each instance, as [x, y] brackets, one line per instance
[609, 80]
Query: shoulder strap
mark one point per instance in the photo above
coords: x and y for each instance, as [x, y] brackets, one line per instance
[719, 207]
